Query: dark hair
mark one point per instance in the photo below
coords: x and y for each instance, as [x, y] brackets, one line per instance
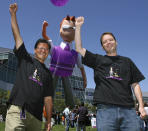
[42, 40]
[107, 33]
[82, 103]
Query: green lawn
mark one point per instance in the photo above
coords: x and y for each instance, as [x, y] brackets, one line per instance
[2, 126]
[62, 128]
[55, 128]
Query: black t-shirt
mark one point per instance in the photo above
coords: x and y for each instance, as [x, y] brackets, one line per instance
[33, 83]
[113, 76]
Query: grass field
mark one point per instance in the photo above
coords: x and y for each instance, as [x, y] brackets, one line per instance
[55, 128]
[2, 126]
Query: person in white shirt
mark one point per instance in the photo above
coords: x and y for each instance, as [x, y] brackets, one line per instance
[67, 113]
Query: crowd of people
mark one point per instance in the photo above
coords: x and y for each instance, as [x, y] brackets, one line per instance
[77, 117]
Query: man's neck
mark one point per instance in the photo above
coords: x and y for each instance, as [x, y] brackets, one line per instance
[41, 61]
[111, 53]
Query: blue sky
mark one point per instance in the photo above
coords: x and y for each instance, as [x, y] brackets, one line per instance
[127, 19]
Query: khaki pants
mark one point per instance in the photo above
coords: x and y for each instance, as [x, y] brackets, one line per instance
[14, 123]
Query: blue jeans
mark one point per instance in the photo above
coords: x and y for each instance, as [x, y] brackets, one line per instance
[115, 118]
[146, 128]
[142, 124]
[67, 123]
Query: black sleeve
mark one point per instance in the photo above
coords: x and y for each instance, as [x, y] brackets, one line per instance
[21, 52]
[136, 75]
[48, 89]
[89, 59]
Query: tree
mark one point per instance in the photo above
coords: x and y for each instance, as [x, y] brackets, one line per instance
[90, 107]
[59, 105]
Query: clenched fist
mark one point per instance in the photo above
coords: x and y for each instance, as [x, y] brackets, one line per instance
[13, 8]
[79, 21]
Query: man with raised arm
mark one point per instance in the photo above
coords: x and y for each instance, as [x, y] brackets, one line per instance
[33, 86]
[114, 76]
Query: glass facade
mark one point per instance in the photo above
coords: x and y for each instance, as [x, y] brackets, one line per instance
[89, 92]
[76, 85]
[8, 66]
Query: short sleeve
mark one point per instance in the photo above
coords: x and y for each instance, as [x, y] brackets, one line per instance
[89, 59]
[136, 75]
[21, 52]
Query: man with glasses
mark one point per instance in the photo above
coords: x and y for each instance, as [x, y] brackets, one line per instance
[33, 86]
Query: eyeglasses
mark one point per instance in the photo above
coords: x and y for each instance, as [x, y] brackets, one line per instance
[41, 48]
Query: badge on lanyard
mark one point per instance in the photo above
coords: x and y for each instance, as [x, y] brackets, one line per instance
[22, 114]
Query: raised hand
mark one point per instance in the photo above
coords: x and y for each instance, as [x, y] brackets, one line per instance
[79, 21]
[13, 8]
[45, 24]
[15, 28]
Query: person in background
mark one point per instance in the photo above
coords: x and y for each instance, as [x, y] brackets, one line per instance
[73, 118]
[82, 113]
[57, 118]
[66, 112]
[63, 119]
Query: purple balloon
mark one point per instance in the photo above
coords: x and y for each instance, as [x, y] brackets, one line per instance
[59, 2]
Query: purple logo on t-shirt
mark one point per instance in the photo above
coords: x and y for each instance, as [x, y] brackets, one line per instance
[35, 78]
[114, 73]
